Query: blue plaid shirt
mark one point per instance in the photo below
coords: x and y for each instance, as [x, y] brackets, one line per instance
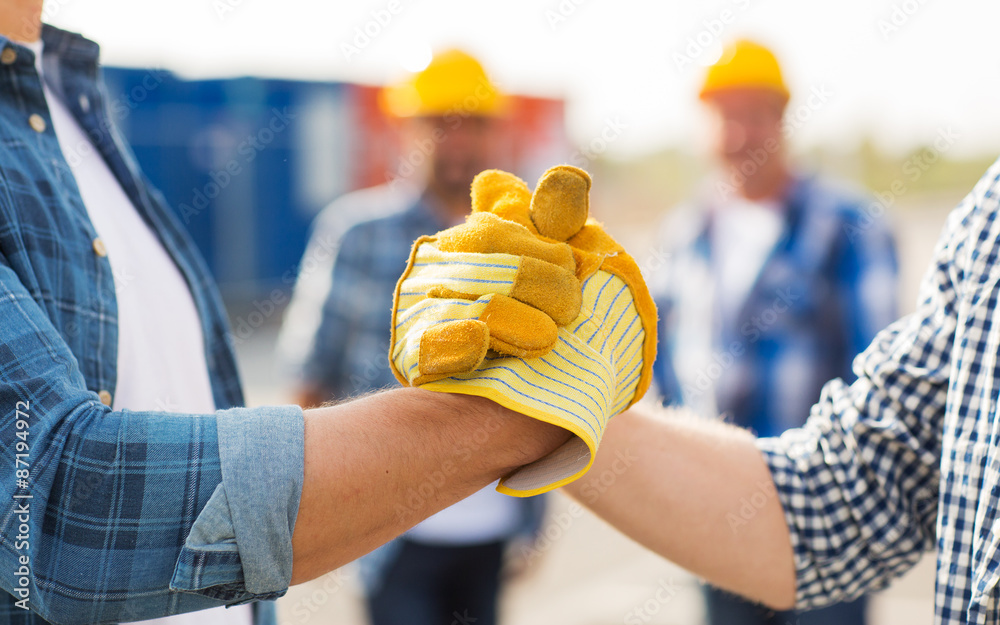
[907, 458]
[825, 289]
[350, 348]
[115, 515]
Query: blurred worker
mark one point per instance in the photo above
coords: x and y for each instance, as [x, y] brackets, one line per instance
[772, 288]
[450, 564]
[136, 484]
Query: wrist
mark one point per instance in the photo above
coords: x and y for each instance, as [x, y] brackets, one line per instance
[500, 438]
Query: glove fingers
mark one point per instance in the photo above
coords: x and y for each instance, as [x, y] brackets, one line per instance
[503, 194]
[451, 347]
[470, 275]
[452, 341]
[445, 337]
[518, 329]
[487, 233]
[456, 346]
[549, 288]
[561, 204]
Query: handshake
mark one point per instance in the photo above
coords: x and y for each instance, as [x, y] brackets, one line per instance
[531, 304]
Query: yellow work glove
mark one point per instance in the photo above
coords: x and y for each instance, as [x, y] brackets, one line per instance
[530, 304]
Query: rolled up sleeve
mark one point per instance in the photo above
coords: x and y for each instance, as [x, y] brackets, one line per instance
[240, 546]
[859, 481]
[134, 515]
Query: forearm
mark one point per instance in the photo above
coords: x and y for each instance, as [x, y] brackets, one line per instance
[699, 494]
[376, 466]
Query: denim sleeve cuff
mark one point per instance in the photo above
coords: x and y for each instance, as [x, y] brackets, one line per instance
[240, 546]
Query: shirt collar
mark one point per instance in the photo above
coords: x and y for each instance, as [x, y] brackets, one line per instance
[72, 48]
[65, 54]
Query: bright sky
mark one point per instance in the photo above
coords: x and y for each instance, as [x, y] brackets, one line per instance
[900, 70]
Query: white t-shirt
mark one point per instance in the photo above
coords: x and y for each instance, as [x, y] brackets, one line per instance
[485, 516]
[743, 234]
[161, 349]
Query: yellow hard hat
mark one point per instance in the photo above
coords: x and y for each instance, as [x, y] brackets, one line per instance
[453, 82]
[744, 64]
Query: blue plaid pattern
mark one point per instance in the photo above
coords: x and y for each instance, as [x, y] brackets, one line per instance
[351, 346]
[907, 458]
[825, 290]
[132, 515]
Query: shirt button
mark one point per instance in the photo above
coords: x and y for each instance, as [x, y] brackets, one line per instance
[37, 122]
[99, 247]
[84, 103]
[105, 397]
[8, 56]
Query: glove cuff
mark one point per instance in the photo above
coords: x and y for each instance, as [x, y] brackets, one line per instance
[572, 387]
